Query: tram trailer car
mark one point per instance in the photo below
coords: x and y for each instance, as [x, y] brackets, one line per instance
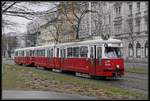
[24, 56]
[93, 57]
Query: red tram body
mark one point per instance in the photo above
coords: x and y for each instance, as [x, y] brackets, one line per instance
[93, 57]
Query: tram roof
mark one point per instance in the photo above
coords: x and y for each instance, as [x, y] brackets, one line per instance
[86, 42]
[94, 41]
[44, 46]
[26, 48]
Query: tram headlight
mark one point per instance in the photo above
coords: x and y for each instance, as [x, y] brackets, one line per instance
[117, 66]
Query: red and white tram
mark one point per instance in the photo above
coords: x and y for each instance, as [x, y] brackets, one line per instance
[93, 57]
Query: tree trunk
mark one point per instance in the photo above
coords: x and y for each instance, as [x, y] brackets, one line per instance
[77, 35]
[77, 31]
[133, 65]
[133, 60]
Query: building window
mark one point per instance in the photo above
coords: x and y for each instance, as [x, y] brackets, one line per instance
[138, 22]
[146, 49]
[138, 50]
[118, 29]
[118, 11]
[130, 9]
[131, 54]
[130, 26]
[146, 5]
[109, 19]
[119, 8]
[146, 23]
[138, 6]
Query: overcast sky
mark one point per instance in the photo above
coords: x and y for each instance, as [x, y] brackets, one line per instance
[22, 21]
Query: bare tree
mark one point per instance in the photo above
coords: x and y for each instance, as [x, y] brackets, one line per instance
[74, 12]
[53, 26]
[57, 25]
[132, 37]
[100, 26]
[21, 9]
[11, 44]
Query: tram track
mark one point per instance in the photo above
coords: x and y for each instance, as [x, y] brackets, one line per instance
[136, 76]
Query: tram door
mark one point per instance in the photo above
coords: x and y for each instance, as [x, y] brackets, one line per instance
[93, 59]
[50, 57]
[95, 56]
[99, 59]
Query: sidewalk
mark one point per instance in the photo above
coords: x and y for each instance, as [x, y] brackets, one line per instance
[14, 94]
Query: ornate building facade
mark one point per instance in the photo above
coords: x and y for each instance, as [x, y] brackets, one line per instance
[127, 21]
[131, 25]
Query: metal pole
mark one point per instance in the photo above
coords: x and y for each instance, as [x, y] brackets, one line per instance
[90, 19]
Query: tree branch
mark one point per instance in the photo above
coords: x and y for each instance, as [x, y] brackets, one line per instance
[9, 7]
[3, 3]
[22, 16]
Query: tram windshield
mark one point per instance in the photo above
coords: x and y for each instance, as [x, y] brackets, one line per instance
[113, 52]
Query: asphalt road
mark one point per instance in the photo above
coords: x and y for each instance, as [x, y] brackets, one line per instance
[14, 94]
[131, 81]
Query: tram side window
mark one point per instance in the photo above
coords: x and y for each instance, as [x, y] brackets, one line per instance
[16, 53]
[69, 52]
[43, 52]
[33, 52]
[30, 52]
[27, 53]
[51, 52]
[83, 51]
[57, 52]
[22, 53]
[99, 52]
[61, 53]
[38, 53]
[19, 53]
[91, 52]
[48, 53]
[75, 51]
[64, 53]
